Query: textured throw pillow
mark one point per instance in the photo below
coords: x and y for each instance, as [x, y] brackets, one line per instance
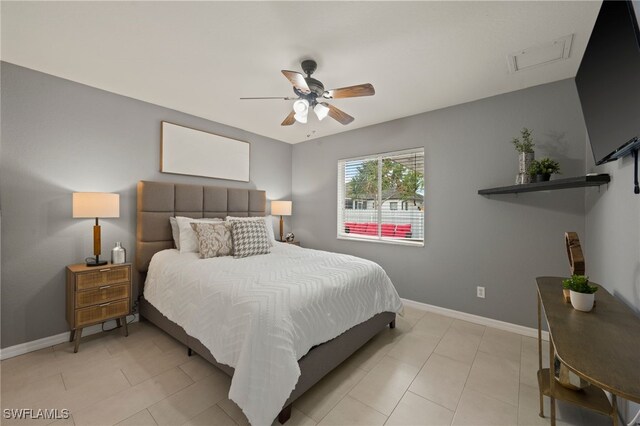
[268, 223]
[249, 238]
[187, 236]
[214, 239]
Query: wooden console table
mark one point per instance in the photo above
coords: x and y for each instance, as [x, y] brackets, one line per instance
[601, 346]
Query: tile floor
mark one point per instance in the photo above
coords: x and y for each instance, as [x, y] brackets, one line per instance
[430, 370]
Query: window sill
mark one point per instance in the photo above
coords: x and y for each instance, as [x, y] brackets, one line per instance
[381, 241]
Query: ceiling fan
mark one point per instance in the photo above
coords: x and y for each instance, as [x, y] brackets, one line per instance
[311, 95]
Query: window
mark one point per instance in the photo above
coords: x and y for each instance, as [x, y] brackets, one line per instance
[381, 197]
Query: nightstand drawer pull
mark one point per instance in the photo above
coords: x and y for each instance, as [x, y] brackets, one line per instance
[99, 278]
[102, 294]
[101, 313]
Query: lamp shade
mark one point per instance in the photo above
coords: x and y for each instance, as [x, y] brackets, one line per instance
[96, 204]
[281, 208]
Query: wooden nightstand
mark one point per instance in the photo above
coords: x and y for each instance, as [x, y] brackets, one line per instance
[97, 294]
[295, 243]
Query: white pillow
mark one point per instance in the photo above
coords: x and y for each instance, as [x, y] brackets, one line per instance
[268, 223]
[187, 241]
[175, 231]
[271, 231]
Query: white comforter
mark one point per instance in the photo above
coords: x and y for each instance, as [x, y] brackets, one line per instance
[263, 313]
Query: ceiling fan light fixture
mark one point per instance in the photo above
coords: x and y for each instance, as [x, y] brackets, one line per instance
[301, 118]
[301, 108]
[321, 111]
[308, 91]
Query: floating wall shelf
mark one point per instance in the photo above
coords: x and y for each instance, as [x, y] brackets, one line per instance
[572, 182]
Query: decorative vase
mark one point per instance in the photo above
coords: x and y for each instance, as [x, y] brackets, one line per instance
[118, 254]
[524, 163]
[582, 301]
[543, 177]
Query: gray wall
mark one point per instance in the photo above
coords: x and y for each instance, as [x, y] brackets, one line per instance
[59, 137]
[502, 242]
[612, 244]
[612, 227]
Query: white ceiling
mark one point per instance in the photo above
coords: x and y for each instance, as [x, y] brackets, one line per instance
[200, 57]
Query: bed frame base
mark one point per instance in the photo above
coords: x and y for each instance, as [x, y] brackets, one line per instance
[285, 414]
[317, 363]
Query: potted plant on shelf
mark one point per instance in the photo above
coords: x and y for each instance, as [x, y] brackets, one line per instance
[582, 294]
[525, 148]
[541, 170]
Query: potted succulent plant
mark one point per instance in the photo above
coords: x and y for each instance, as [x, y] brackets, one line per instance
[526, 155]
[582, 294]
[541, 170]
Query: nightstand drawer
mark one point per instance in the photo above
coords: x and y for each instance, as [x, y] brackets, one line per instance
[102, 312]
[102, 294]
[102, 277]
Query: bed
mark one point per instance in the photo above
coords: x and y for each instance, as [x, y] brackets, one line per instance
[181, 287]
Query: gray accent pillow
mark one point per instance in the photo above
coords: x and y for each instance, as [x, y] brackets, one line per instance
[268, 223]
[214, 239]
[249, 238]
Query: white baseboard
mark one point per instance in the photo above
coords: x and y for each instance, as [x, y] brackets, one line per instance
[46, 342]
[477, 319]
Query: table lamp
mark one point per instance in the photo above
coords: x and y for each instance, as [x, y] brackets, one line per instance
[281, 208]
[96, 205]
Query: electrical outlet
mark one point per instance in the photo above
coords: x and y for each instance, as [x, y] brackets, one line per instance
[480, 292]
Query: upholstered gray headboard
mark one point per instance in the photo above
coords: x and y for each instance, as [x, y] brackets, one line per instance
[158, 201]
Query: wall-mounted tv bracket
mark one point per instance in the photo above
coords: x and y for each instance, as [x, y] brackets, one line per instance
[636, 188]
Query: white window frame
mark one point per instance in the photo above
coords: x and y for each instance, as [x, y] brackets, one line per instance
[341, 235]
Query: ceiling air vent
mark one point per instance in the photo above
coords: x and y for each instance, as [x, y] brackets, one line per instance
[543, 54]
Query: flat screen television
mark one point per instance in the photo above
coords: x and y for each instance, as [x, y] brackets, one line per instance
[608, 81]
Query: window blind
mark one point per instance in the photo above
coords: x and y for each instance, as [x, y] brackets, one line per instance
[381, 197]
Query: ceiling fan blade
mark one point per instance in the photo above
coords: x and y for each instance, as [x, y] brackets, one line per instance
[297, 80]
[272, 97]
[338, 114]
[350, 92]
[289, 120]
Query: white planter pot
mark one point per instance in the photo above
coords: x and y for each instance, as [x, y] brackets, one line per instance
[582, 301]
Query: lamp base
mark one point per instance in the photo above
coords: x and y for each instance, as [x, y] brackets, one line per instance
[95, 262]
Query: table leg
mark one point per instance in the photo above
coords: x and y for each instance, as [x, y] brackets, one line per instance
[72, 335]
[552, 380]
[125, 327]
[541, 414]
[77, 339]
[118, 323]
[614, 409]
